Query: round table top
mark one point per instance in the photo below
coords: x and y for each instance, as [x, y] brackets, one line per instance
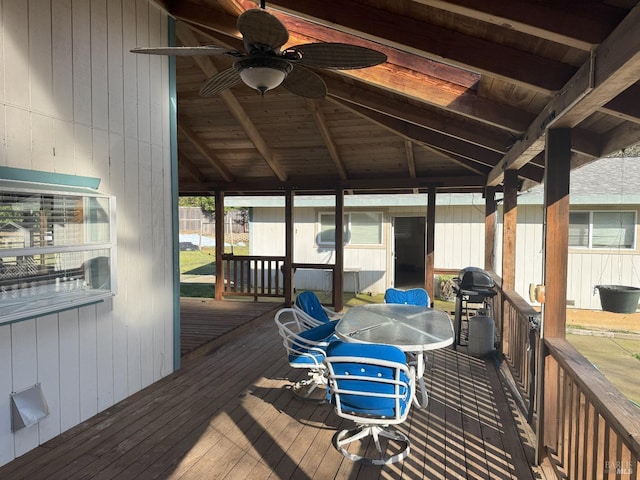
[409, 327]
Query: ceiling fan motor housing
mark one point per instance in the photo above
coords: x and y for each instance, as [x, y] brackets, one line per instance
[263, 72]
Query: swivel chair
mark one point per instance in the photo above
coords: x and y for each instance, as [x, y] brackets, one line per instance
[372, 385]
[306, 349]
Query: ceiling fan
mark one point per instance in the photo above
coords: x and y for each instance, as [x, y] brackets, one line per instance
[264, 66]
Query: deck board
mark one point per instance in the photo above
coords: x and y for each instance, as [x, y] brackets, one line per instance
[203, 321]
[230, 414]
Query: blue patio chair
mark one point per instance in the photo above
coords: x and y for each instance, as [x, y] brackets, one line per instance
[372, 385]
[309, 304]
[412, 296]
[306, 349]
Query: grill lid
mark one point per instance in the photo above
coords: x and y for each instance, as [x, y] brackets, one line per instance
[472, 278]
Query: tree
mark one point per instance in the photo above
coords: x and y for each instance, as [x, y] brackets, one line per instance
[206, 204]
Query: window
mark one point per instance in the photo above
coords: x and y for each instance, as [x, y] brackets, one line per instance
[602, 229]
[57, 248]
[361, 228]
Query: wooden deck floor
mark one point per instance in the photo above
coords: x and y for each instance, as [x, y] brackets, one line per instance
[229, 414]
[203, 322]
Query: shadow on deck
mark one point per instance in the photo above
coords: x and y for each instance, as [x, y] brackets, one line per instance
[228, 413]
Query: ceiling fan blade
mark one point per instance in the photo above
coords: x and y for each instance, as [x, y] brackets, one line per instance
[305, 83]
[261, 28]
[338, 56]
[223, 80]
[190, 51]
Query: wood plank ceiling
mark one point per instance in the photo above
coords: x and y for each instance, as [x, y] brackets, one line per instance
[468, 91]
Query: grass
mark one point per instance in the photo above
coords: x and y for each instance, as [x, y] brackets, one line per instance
[202, 262]
[199, 290]
[198, 263]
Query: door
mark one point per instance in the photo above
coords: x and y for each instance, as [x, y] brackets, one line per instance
[409, 251]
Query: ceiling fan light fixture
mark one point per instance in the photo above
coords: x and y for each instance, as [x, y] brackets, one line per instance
[263, 73]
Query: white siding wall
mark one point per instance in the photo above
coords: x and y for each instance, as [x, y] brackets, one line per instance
[459, 236]
[459, 242]
[585, 269]
[73, 100]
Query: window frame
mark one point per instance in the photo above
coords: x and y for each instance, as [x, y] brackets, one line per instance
[348, 229]
[590, 229]
[44, 284]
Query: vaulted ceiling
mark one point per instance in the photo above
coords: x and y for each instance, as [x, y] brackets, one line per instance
[468, 91]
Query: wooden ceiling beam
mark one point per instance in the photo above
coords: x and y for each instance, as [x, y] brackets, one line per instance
[586, 143]
[187, 37]
[435, 42]
[302, 31]
[202, 148]
[619, 138]
[465, 129]
[603, 15]
[474, 153]
[411, 160]
[625, 105]
[189, 166]
[206, 16]
[613, 67]
[414, 83]
[328, 184]
[578, 23]
[327, 138]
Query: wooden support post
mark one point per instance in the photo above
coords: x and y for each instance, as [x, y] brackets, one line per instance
[510, 224]
[338, 272]
[219, 213]
[556, 235]
[490, 219]
[489, 228]
[429, 264]
[289, 222]
[556, 248]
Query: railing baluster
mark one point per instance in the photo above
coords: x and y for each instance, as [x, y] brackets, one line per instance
[600, 437]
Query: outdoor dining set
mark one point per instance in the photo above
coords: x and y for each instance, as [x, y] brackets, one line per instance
[368, 363]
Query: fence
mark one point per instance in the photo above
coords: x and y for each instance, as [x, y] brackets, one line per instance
[194, 220]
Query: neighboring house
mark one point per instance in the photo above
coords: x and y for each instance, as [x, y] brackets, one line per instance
[386, 234]
[603, 231]
[84, 121]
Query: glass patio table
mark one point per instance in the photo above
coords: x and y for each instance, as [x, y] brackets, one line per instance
[411, 328]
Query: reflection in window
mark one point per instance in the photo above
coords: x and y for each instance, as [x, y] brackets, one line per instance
[602, 229]
[360, 228]
[56, 248]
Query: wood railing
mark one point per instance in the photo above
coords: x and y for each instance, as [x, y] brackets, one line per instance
[597, 429]
[253, 276]
[261, 276]
[585, 427]
[521, 336]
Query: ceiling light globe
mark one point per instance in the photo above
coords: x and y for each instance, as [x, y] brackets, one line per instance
[263, 73]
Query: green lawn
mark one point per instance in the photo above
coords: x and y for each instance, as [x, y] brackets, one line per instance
[201, 263]
[198, 263]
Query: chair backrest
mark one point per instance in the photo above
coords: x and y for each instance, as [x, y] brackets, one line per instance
[412, 296]
[309, 303]
[306, 348]
[369, 383]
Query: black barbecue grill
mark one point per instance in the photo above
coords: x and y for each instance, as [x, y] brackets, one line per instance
[474, 287]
